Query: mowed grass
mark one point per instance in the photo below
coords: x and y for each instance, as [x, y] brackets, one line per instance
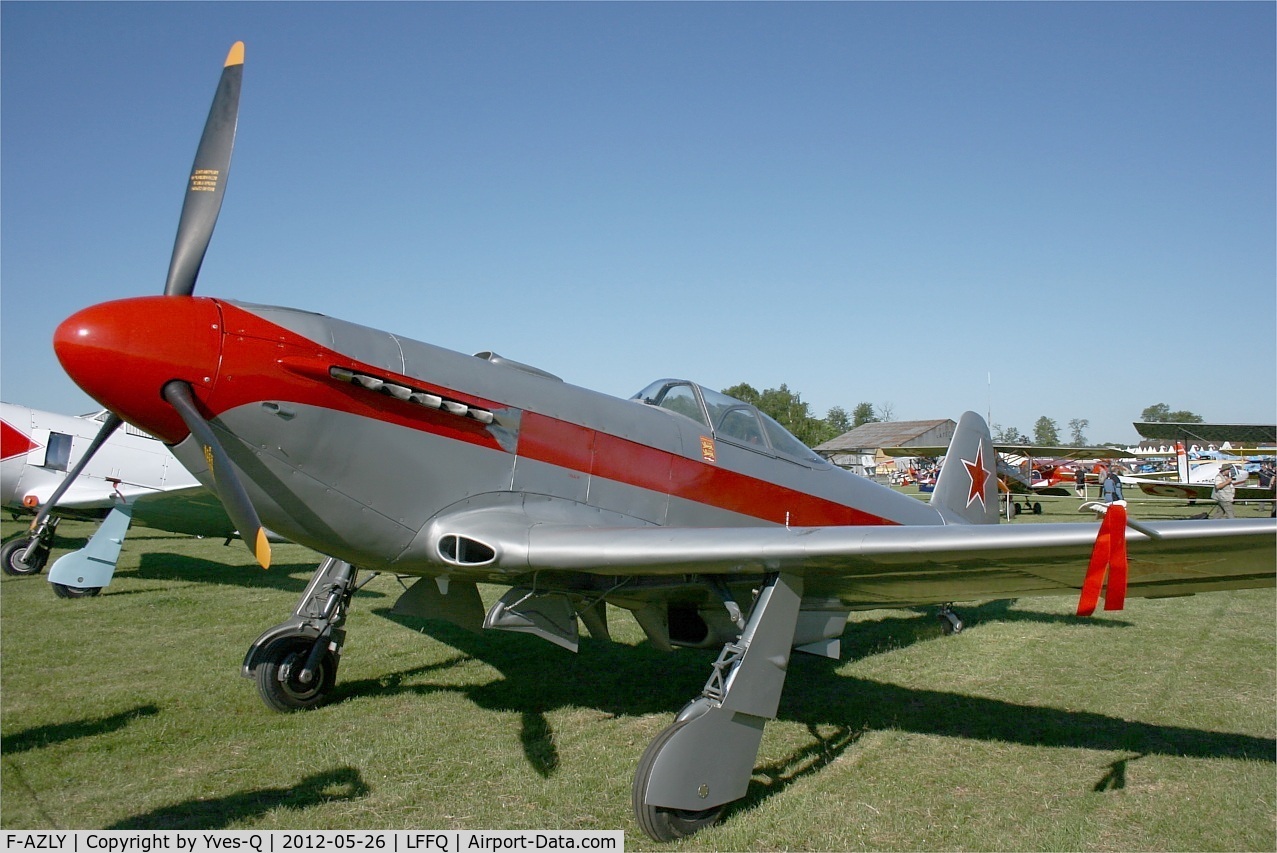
[1148, 729]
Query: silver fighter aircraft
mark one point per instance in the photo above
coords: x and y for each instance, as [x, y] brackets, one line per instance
[693, 511]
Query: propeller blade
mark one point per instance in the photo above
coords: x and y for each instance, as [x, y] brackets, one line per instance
[229, 488]
[207, 183]
[109, 426]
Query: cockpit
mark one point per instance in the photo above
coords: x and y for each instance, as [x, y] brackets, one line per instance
[727, 418]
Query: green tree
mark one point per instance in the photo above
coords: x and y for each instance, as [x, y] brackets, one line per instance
[1160, 413]
[1045, 431]
[1007, 435]
[863, 414]
[787, 408]
[744, 392]
[1077, 431]
[839, 421]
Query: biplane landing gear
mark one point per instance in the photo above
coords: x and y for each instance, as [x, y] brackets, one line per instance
[295, 662]
[704, 761]
[1014, 509]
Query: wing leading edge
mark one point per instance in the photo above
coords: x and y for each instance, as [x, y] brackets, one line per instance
[867, 567]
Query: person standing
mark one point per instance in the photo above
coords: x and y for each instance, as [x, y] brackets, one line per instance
[1079, 476]
[1110, 486]
[1225, 490]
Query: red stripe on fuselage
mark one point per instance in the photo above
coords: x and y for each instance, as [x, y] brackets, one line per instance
[602, 455]
[263, 361]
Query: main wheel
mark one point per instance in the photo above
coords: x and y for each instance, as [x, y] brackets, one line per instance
[13, 564]
[663, 824]
[278, 671]
[61, 590]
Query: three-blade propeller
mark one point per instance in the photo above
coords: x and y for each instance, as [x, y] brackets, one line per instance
[205, 189]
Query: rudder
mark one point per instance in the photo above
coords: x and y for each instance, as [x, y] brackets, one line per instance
[967, 489]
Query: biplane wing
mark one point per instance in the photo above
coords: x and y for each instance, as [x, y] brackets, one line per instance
[1200, 491]
[1030, 450]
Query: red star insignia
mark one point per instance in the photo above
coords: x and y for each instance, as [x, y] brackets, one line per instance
[979, 476]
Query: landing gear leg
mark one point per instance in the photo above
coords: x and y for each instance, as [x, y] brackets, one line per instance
[27, 556]
[702, 762]
[295, 662]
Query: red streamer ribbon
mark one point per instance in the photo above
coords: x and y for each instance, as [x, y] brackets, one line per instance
[1109, 553]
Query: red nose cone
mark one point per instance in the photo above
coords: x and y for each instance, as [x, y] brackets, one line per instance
[122, 354]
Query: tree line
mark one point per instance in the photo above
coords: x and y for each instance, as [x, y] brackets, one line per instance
[790, 411]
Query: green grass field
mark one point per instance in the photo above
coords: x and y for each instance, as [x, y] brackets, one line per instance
[1148, 729]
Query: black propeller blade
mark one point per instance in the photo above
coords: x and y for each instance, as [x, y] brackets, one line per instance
[203, 202]
[229, 488]
[199, 214]
[204, 192]
[208, 179]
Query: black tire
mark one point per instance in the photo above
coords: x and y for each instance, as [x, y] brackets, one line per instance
[61, 590]
[11, 555]
[277, 672]
[1037, 509]
[662, 824]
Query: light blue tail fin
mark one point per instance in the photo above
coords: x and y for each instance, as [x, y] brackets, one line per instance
[967, 489]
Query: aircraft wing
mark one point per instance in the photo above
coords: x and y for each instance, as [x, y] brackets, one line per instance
[1258, 434]
[1034, 450]
[1201, 491]
[193, 510]
[878, 566]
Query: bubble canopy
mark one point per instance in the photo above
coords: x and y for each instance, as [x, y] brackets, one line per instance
[728, 418]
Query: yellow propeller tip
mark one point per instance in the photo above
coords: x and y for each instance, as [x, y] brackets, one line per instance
[236, 55]
[261, 549]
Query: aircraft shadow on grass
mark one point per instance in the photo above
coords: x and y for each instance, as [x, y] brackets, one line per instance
[288, 577]
[338, 784]
[836, 708]
[56, 733]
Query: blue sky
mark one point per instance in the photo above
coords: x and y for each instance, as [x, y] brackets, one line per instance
[1025, 209]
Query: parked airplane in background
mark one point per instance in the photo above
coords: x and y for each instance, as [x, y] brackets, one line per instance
[1197, 480]
[133, 477]
[693, 511]
[1045, 478]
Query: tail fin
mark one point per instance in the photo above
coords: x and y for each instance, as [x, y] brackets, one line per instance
[967, 490]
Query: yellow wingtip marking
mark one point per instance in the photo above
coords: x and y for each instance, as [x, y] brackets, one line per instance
[262, 549]
[236, 55]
